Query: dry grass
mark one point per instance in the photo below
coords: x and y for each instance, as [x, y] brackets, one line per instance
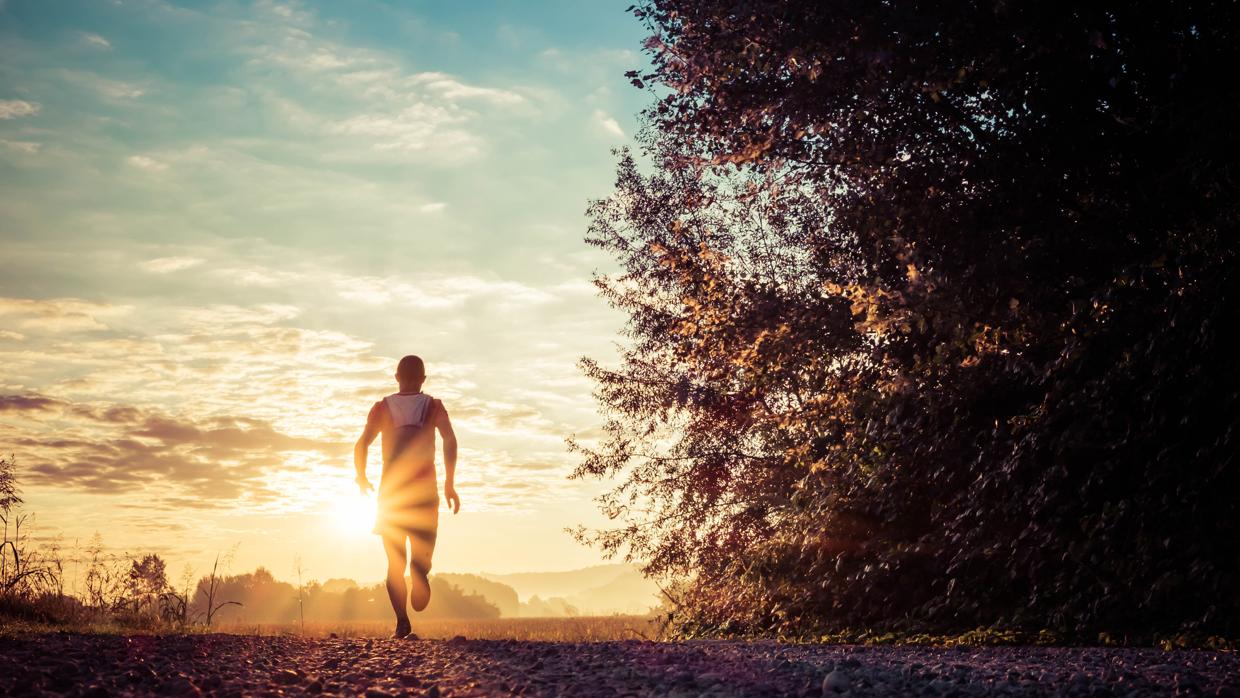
[581, 629]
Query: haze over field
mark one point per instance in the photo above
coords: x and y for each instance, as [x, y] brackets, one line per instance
[264, 598]
[222, 225]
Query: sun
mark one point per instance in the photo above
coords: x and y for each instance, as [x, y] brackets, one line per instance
[354, 514]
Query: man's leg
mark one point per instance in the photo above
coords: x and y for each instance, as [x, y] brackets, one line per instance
[421, 547]
[395, 549]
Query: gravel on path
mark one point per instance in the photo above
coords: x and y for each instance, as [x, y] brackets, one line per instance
[240, 665]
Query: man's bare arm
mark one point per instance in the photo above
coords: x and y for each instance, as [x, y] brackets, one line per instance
[359, 456]
[449, 460]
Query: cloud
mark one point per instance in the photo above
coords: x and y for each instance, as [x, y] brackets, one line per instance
[143, 162]
[167, 265]
[433, 207]
[117, 449]
[237, 317]
[437, 291]
[608, 124]
[450, 88]
[418, 127]
[28, 147]
[15, 108]
[26, 403]
[258, 276]
[95, 40]
[426, 291]
[105, 87]
[376, 102]
[58, 314]
[225, 436]
[286, 12]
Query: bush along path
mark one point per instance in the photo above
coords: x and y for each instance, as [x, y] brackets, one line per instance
[99, 665]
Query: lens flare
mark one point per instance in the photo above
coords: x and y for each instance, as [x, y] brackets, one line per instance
[354, 515]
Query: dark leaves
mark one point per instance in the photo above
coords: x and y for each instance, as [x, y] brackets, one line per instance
[926, 311]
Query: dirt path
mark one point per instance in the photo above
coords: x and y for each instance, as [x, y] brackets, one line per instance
[245, 665]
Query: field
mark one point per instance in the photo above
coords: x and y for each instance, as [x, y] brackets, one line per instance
[578, 629]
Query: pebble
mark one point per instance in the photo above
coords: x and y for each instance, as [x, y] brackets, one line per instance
[836, 682]
[236, 665]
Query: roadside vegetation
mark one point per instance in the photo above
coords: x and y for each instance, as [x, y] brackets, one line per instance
[927, 311]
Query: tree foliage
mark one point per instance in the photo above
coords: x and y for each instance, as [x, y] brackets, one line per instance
[146, 583]
[927, 316]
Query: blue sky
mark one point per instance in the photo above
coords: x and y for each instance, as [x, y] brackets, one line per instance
[223, 222]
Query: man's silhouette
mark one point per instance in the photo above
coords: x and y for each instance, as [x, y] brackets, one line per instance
[408, 500]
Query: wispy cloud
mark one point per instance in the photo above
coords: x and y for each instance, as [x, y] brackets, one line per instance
[15, 108]
[95, 40]
[103, 86]
[27, 147]
[419, 127]
[453, 89]
[376, 97]
[116, 449]
[144, 162]
[59, 314]
[608, 123]
[27, 403]
[168, 265]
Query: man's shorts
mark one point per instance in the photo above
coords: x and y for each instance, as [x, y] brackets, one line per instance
[411, 512]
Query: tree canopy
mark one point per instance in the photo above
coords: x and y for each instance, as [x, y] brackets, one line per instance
[928, 309]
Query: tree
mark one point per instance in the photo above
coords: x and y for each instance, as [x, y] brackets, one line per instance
[147, 581]
[926, 315]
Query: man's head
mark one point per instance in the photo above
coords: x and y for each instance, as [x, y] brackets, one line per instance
[410, 373]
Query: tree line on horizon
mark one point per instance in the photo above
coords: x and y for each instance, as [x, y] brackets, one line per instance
[927, 314]
[136, 591]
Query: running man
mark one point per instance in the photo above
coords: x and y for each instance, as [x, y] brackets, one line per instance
[408, 500]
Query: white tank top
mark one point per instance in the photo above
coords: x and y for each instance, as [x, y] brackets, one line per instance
[408, 409]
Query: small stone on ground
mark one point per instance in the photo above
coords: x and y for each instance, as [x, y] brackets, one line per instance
[233, 665]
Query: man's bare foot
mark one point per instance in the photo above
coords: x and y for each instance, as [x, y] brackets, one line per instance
[402, 628]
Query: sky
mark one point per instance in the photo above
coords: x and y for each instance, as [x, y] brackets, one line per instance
[223, 223]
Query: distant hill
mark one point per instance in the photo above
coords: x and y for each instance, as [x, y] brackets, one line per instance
[548, 608]
[339, 585]
[565, 583]
[597, 590]
[502, 596]
[265, 599]
[629, 592]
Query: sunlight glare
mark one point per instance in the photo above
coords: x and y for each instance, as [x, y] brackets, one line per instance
[354, 515]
